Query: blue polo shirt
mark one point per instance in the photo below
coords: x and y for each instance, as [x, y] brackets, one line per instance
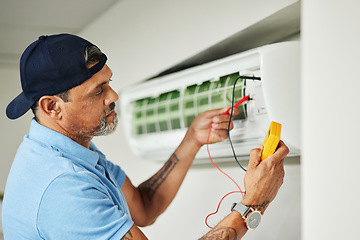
[58, 189]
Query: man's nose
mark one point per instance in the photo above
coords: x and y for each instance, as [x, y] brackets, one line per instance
[112, 97]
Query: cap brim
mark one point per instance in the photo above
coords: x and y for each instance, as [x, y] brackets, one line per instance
[18, 107]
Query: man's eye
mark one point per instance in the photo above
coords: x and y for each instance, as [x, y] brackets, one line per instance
[99, 92]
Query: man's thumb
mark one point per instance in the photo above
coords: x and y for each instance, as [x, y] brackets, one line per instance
[255, 156]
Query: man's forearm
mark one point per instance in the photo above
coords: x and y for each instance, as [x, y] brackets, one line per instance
[151, 186]
[232, 227]
[159, 191]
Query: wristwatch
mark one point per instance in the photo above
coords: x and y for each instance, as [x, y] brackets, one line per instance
[251, 216]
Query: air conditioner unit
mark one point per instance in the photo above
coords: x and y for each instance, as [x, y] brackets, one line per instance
[157, 113]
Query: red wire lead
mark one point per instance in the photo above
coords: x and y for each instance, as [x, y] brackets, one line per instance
[245, 98]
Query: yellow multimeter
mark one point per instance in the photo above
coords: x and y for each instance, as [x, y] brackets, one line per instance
[271, 140]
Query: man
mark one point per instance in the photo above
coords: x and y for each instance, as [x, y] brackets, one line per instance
[62, 187]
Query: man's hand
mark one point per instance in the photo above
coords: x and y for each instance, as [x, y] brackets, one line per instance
[264, 178]
[199, 128]
[262, 182]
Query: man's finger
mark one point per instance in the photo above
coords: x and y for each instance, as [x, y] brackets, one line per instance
[280, 153]
[255, 156]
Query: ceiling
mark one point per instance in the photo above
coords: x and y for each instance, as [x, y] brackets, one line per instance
[23, 21]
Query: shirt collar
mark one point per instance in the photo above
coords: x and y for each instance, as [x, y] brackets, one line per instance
[63, 144]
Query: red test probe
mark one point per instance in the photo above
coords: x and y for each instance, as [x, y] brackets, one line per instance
[245, 98]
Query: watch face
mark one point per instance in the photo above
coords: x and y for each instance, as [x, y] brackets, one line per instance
[254, 220]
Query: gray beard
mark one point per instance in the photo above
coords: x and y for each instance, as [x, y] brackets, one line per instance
[106, 128]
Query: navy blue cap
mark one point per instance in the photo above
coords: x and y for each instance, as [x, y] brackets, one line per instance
[51, 65]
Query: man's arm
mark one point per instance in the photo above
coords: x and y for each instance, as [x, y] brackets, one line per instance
[263, 180]
[151, 198]
[231, 227]
[134, 233]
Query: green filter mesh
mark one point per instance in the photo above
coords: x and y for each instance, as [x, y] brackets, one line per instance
[168, 110]
[202, 99]
[138, 118]
[189, 108]
[151, 115]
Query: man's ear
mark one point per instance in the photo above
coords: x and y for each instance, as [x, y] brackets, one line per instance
[51, 106]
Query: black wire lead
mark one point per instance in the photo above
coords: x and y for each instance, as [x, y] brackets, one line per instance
[231, 113]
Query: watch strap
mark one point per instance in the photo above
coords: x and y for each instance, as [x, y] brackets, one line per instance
[241, 208]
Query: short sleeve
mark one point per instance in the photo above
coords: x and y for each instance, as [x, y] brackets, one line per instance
[77, 206]
[117, 172]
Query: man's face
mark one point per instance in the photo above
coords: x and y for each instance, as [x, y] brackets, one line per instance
[90, 111]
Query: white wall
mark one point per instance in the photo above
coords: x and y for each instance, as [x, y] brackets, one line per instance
[330, 102]
[143, 38]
